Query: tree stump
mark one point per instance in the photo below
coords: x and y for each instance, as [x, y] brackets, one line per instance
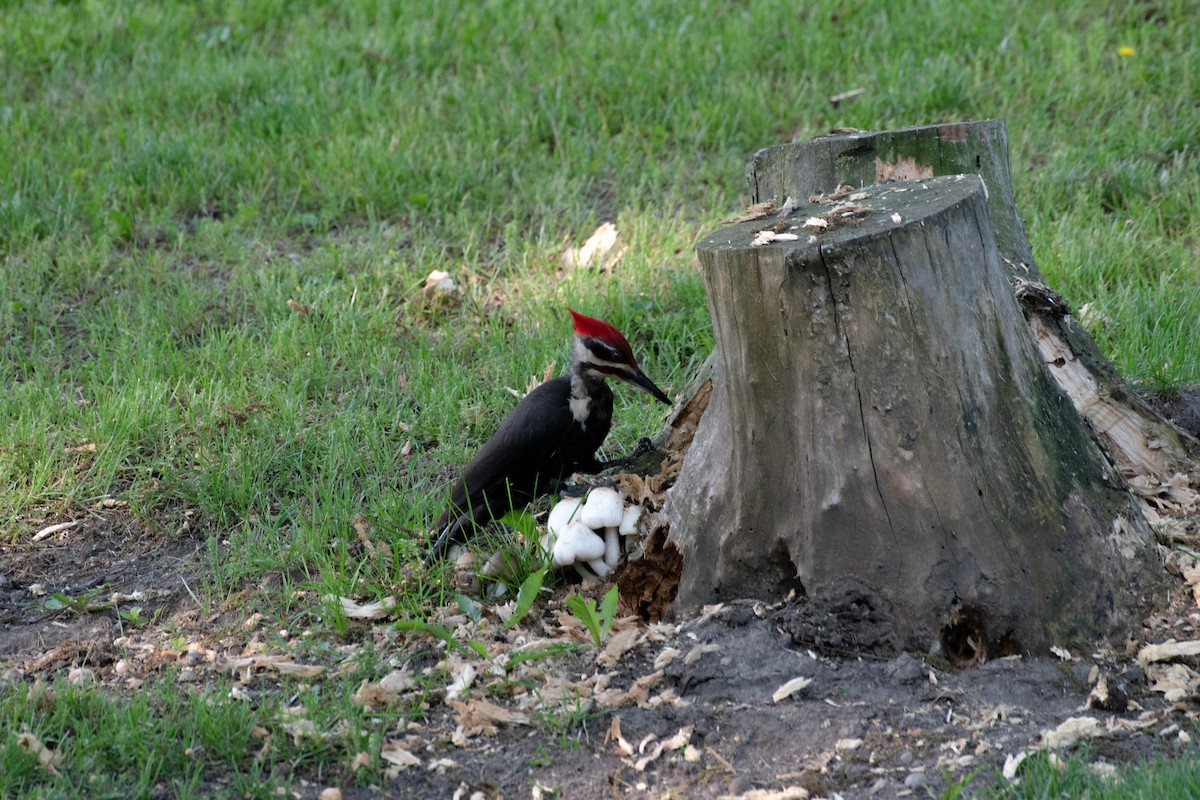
[881, 418]
[863, 158]
[1143, 445]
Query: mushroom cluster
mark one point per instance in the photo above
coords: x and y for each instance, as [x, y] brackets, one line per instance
[587, 533]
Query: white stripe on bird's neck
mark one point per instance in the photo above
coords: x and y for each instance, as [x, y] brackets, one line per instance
[583, 380]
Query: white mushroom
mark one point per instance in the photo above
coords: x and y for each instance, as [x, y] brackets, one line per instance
[577, 544]
[563, 513]
[602, 511]
[629, 520]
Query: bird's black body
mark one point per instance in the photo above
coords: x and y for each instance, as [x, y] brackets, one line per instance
[522, 460]
[552, 433]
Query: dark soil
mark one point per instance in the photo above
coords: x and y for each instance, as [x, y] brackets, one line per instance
[1181, 408]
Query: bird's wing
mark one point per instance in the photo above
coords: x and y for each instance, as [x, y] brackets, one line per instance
[528, 438]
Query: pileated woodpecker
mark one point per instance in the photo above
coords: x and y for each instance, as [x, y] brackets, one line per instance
[553, 432]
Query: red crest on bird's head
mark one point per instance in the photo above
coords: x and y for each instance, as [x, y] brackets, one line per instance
[599, 329]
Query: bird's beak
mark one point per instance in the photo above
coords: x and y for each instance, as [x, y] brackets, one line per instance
[639, 379]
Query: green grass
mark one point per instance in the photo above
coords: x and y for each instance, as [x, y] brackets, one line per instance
[171, 175]
[1040, 779]
[169, 741]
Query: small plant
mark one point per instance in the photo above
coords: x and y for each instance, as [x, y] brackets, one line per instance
[568, 722]
[134, 616]
[445, 634]
[526, 595]
[82, 604]
[955, 788]
[599, 621]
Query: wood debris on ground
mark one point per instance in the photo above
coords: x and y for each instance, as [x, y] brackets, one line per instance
[602, 250]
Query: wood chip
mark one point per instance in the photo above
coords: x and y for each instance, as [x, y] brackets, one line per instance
[614, 736]
[698, 651]
[664, 658]
[47, 532]
[756, 211]
[397, 756]
[618, 645]
[790, 688]
[378, 609]
[790, 793]
[1062, 653]
[1073, 730]
[462, 681]
[277, 663]
[1167, 651]
[603, 250]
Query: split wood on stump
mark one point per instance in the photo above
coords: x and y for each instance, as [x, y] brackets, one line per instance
[881, 417]
[1141, 443]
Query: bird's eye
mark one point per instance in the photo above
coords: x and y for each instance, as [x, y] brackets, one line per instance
[607, 352]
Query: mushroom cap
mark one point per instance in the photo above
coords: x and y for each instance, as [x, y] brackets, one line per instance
[629, 520]
[603, 508]
[577, 542]
[565, 511]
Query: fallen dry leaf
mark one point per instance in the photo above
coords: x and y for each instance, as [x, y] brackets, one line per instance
[479, 716]
[816, 223]
[362, 532]
[47, 759]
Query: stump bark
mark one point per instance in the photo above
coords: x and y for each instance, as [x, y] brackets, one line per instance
[1141, 443]
[880, 417]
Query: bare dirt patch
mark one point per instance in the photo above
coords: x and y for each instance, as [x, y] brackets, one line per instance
[61, 600]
